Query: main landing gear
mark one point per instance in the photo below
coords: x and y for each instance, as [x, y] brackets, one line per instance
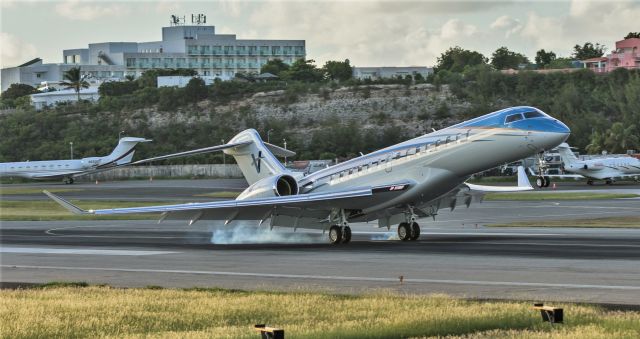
[339, 235]
[543, 181]
[409, 231]
[68, 180]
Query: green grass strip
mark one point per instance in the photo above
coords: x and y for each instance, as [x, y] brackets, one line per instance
[34, 190]
[536, 196]
[608, 222]
[41, 210]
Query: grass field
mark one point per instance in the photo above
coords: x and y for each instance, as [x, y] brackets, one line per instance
[220, 194]
[34, 190]
[49, 210]
[535, 196]
[89, 312]
[612, 222]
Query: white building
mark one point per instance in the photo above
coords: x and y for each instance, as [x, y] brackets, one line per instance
[195, 47]
[374, 73]
[42, 100]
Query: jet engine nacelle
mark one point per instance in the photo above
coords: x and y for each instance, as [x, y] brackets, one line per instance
[273, 186]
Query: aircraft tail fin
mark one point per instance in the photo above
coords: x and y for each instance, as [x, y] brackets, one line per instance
[566, 154]
[255, 157]
[123, 153]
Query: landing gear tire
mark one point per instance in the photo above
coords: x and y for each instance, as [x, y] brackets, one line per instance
[68, 181]
[609, 182]
[346, 235]
[590, 182]
[415, 231]
[540, 182]
[335, 234]
[404, 231]
[547, 181]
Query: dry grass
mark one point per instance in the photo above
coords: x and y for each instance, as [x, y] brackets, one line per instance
[168, 313]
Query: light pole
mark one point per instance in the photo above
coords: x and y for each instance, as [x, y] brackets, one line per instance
[285, 147]
[268, 132]
[120, 135]
[71, 149]
[224, 161]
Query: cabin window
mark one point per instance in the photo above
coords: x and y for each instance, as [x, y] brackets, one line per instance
[513, 118]
[533, 114]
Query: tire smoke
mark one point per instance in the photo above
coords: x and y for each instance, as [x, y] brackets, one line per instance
[250, 233]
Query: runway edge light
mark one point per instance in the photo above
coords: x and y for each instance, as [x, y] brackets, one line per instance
[554, 315]
[267, 332]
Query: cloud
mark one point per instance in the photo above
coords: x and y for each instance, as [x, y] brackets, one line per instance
[15, 51]
[587, 21]
[85, 10]
[507, 24]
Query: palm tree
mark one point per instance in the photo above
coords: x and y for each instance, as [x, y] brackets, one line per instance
[74, 80]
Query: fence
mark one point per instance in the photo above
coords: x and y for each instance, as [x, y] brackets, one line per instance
[231, 171]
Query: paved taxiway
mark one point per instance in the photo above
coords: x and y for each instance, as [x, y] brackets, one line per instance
[453, 256]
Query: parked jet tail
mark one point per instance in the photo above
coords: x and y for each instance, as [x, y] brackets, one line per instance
[566, 154]
[123, 153]
[255, 157]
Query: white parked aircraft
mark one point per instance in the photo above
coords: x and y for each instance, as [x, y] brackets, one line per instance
[607, 169]
[395, 185]
[69, 169]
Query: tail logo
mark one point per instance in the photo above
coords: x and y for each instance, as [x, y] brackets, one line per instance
[256, 161]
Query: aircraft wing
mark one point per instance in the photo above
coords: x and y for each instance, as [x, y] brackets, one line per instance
[308, 210]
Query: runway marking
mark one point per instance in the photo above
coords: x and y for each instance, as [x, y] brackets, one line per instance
[43, 250]
[336, 277]
[464, 233]
[530, 243]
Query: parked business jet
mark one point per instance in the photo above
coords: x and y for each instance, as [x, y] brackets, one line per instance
[607, 169]
[69, 169]
[395, 185]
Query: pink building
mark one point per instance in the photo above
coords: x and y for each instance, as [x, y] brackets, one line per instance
[626, 54]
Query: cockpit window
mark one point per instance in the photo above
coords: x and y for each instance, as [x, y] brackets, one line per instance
[512, 118]
[533, 114]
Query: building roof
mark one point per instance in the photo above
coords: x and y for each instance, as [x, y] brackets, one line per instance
[267, 75]
[31, 62]
[595, 59]
[90, 90]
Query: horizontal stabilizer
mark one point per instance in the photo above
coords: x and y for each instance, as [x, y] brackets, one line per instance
[279, 151]
[192, 152]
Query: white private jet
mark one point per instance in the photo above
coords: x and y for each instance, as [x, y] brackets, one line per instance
[607, 169]
[395, 185]
[69, 169]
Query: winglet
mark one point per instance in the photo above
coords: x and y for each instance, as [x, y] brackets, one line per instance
[523, 184]
[523, 180]
[64, 203]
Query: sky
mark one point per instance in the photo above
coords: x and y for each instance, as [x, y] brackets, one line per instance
[368, 33]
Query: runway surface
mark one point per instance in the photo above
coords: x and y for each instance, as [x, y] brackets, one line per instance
[456, 254]
[192, 190]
